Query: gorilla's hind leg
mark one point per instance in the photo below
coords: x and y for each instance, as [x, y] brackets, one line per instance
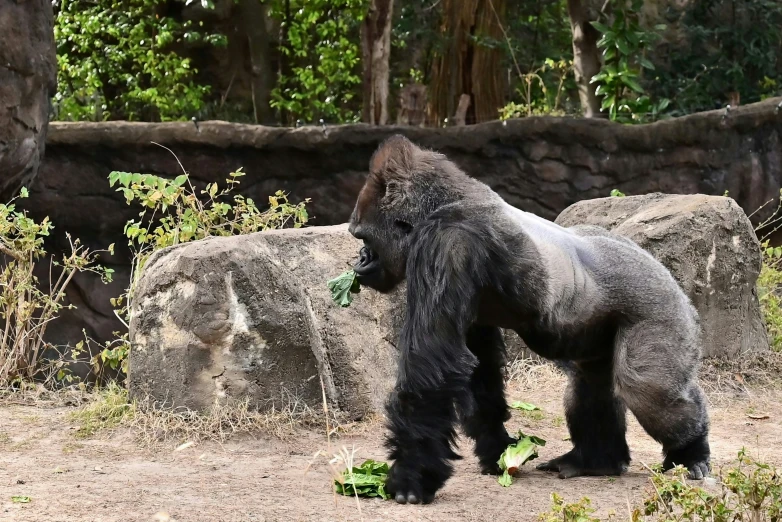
[486, 410]
[596, 420]
[656, 378]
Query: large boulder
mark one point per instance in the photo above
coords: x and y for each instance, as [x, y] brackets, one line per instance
[251, 316]
[27, 81]
[710, 247]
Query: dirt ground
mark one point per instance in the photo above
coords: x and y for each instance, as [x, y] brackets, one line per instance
[112, 477]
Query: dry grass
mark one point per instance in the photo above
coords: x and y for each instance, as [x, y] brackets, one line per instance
[36, 394]
[724, 379]
[528, 373]
[153, 423]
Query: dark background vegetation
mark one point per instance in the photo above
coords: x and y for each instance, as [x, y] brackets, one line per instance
[288, 62]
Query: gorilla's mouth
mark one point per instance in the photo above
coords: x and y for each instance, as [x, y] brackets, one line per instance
[368, 262]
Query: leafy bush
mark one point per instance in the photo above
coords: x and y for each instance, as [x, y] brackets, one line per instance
[542, 92]
[173, 213]
[116, 60]
[624, 44]
[749, 492]
[25, 308]
[770, 293]
[322, 46]
[732, 46]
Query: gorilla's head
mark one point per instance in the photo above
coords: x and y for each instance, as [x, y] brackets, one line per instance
[405, 185]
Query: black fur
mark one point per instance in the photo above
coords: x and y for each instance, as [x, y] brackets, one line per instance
[595, 303]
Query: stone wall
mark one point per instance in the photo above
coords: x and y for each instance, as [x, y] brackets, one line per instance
[540, 164]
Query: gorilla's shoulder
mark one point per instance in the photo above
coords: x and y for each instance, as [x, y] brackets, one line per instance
[598, 231]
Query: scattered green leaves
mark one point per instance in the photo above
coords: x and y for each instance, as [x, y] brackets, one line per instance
[343, 286]
[366, 480]
[515, 455]
[580, 511]
[519, 405]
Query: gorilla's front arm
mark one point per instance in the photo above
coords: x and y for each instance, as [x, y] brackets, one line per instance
[448, 366]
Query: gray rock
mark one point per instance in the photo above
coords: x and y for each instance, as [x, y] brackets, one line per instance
[253, 316]
[710, 247]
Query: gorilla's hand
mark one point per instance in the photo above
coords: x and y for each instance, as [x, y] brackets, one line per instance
[405, 484]
[370, 271]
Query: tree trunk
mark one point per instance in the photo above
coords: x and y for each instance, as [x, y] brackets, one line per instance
[586, 57]
[28, 79]
[465, 66]
[375, 52]
[253, 15]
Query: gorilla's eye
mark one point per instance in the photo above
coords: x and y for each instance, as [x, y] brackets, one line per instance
[404, 226]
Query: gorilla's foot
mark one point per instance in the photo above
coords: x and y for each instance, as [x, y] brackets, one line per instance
[571, 464]
[489, 450]
[406, 485]
[694, 456]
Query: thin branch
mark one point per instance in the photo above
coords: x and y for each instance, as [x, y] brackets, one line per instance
[507, 40]
[10, 253]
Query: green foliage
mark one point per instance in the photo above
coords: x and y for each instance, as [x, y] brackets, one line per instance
[770, 293]
[109, 408]
[615, 193]
[174, 212]
[624, 44]
[343, 286]
[366, 480]
[580, 511]
[116, 60]
[25, 308]
[751, 491]
[537, 97]
[322, 47]
[733, 46]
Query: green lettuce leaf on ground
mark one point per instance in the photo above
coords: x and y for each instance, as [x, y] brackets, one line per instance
[366, 480]
[343, 286]
[516, 455]
[518, 405]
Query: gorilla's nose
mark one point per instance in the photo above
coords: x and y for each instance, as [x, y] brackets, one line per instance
[356, 230]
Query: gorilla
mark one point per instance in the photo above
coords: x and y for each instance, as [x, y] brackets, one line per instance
[596, 303]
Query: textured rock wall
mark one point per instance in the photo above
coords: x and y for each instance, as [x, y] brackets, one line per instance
[541, 165]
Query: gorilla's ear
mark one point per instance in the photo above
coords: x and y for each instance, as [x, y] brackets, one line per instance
[394, 157]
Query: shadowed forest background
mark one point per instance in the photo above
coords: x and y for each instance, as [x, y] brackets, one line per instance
[419, 62]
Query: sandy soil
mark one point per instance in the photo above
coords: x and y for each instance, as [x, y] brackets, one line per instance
[113, 478]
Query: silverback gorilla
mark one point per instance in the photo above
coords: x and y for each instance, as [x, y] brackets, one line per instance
[610, 314]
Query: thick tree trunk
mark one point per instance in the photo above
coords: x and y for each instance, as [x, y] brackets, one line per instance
[27, 83]
[586, 57]
[253, 15]
[375, 51]
[466, 67]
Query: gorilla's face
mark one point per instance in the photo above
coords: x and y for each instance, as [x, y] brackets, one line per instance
[383, 258]
[398, 194]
